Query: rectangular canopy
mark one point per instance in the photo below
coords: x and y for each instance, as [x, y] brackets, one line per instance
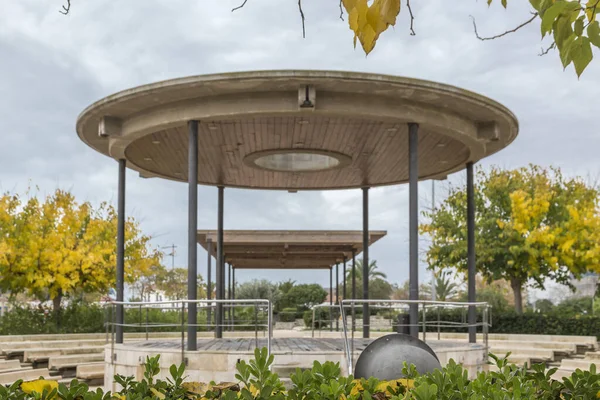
[272, 249]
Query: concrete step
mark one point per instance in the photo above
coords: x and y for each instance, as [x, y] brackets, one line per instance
[42, 355]
[573, 364]
[9, 364]
[90, 372]
[26, 375]
[59, 363]
[585, 341]
[592, 355]
[84, 336]
[532, 353]
[567, 348]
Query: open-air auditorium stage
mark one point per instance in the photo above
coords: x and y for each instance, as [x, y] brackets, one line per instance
[216, 359]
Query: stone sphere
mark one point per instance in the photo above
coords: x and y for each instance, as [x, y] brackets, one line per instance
[384, 358]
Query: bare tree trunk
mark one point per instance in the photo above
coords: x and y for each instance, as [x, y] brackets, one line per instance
[516, 286]
[56, 302]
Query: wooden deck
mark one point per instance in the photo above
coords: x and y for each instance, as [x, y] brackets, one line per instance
[277, 344]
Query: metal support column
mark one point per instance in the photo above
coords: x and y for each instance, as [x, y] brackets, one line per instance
[220, 267]
[331, 299]
[353, 289]
[192, 232]
[413, 173]
[229, 315]
[471, 252]
[344, 294]
[120, 250]
[365, 265]
[208, 283]
[232, 297]
[337, 293]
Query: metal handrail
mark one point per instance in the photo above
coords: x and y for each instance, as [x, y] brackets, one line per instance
[180, 306]
[387, 304]
[330, 307]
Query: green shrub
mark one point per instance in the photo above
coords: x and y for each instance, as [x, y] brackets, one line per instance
[255, 381]
[322, 317]
[75, 318]
[289, 315]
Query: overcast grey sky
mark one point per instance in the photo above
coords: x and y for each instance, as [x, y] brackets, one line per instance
[52, 66]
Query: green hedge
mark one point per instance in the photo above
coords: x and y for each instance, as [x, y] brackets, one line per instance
[255, 381]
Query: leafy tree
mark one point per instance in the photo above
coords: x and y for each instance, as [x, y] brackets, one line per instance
[56, 247]
[173, 283]
[379, 289]
[147, 283]
[258, 289]
[302, 297]
[574, 306]
[544, 306]
[285, 286]
[532, 225]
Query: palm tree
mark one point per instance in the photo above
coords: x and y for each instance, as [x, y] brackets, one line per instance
[445, 287]
[373, 272]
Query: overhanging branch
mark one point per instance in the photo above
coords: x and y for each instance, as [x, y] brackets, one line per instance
[534, 16]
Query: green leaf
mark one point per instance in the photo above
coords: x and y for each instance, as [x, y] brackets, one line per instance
[536, 4]
[593, 32]
[579, 26]
[550, 15]
[562, 30]
[565, 51]
[582, 54]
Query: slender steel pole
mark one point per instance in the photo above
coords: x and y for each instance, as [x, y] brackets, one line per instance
[220, 274]
[331, 299]
[229, 309]
[413, 172]
[353, 289]
[192, 232]
[433, 280]
[337, 293]
[120, 250]
[365, 266]
[232, 297]
[344, 294]
[208, 283]
[471, 252]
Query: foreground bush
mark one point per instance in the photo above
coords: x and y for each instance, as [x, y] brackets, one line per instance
[324, 382]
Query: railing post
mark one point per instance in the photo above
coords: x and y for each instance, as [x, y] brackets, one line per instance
[147, 311]
[256, 323]
[182, 330]
[270, 327]
[424, 322]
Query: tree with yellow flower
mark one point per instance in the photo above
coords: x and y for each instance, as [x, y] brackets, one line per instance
[532, 225]
[56, 247]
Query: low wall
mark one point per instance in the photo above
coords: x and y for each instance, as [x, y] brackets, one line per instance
[219, 366]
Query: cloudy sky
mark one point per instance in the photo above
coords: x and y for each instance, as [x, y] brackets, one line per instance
[52, 66]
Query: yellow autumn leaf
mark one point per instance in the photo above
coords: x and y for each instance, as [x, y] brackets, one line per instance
[591, 8]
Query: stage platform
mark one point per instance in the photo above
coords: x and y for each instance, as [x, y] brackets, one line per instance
[215, 359]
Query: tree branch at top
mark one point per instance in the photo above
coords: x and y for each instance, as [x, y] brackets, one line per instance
[412, 18]
[240, 6]
[303, 19]
[530, 20]
[65, 8]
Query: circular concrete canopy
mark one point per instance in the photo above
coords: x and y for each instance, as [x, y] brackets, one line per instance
[297, 130]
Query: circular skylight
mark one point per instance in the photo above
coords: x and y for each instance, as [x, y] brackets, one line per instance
[297, 160]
